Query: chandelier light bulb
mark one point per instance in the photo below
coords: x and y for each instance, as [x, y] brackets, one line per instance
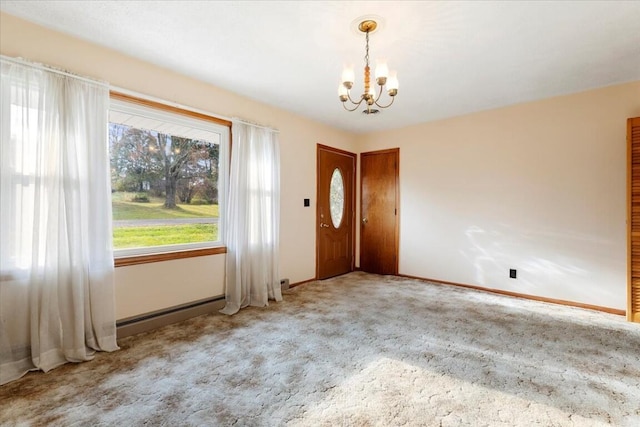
[343, 92]
[348, 76]
[382, 72]
[392, 83]
[393, 80]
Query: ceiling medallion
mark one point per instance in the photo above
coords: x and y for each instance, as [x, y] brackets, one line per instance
[382, 74]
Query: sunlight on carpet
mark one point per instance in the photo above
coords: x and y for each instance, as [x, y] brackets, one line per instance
[394, 388]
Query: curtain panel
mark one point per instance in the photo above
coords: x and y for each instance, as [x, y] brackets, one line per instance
[253, 218]
[56, 261]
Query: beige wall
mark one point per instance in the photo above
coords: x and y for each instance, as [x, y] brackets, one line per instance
[539, 187]
[145, 288]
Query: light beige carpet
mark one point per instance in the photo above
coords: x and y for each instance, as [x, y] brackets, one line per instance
[357, 350]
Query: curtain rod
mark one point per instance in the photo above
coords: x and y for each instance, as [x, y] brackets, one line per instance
[185, 107]
[22, 61]
[39, 66]
[237, 120]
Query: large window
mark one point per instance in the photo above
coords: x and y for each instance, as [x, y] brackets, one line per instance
[168, 176]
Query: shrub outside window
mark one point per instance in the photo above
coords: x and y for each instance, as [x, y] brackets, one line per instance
[168, 176]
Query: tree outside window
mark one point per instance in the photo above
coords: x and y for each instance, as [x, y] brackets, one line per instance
[165, 180]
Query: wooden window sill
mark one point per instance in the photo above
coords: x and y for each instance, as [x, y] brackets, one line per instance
[167, 256]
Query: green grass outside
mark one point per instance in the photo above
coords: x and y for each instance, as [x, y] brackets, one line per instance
[143, 236]
[136, 237]
[124, 209]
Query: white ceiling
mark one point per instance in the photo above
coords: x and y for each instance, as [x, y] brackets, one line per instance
[452, 58]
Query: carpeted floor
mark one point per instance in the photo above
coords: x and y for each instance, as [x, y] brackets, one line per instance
[357, 350]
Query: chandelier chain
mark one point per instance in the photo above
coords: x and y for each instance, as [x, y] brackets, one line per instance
[366, 56]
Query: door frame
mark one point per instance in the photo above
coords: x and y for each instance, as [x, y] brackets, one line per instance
[397, 201]
[352, 207]
[630, 314]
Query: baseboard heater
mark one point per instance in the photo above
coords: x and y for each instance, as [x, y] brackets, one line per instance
[157, 319]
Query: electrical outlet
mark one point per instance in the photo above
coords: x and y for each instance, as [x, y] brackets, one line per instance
[513, 273]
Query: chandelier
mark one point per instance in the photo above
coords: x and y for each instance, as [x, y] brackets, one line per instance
[382, 74]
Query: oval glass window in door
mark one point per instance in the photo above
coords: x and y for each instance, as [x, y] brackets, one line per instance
[336, 198]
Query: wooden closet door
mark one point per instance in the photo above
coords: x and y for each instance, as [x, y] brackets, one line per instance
[379, 180]
[633, 220]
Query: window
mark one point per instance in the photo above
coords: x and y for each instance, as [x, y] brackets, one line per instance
[168, 177]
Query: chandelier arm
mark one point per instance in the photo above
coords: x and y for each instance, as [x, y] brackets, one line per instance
[344, 105]
[393, 98]
[352, 101]
[379, 95]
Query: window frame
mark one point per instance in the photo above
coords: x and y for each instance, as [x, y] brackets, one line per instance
[134, 256]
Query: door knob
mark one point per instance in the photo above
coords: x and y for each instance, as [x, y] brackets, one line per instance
[364, 221]
[323, 225]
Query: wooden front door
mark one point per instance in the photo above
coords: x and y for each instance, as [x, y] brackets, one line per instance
[335, 215]
[379, 178]
[633, 220]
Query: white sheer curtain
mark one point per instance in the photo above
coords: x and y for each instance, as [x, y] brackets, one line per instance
[56, 261]
[253, 218]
